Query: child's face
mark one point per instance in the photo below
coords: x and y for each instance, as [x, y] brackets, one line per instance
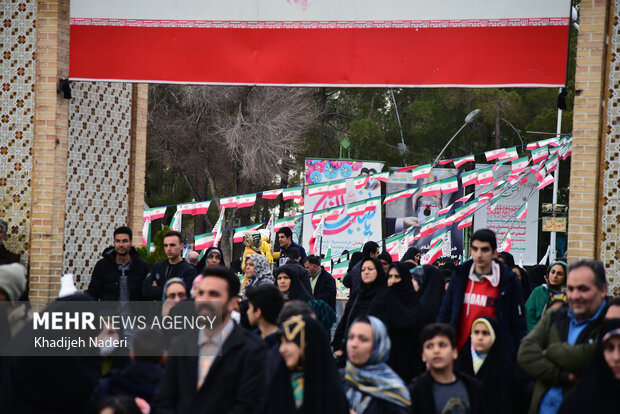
[611, 352]
[481, 338]
[438, 353]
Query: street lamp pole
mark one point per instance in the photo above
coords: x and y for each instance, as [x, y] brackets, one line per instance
[468, 120]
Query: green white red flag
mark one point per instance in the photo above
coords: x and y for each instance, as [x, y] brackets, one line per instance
[153, 213]
[203, 241]
[240, 232]
[400, 194]
[200, 207]
[460, 161]
[422, 171]
[449, 185]
[271, 194]
[293, 193]
[469, 177]
[522, 212]
[246, 200]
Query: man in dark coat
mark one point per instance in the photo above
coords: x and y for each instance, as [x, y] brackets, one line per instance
[173, 266]
[121, 271]
[224, 369]
[483, 286]
[322, 282]
[285, 242]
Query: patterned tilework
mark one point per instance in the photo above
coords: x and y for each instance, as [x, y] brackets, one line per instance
[17, 72]
[610, 219]
[97, 171]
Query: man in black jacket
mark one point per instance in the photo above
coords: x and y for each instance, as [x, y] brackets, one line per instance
[322, 282]
[119, 275]
[223, 370]
[174, 266]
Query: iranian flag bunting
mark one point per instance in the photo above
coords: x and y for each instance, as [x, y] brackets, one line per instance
[520, 165]
[539, 154]
[361, 181]
[200, 207]
[400, 194]
[469, 177]
[203, 241]
[340, 269]
[153, 213]
[449, 185]
[431, 189]
[423, 171]
[383, 177]
[494, 201]
[465, 198]
[146, 234]
[293, 193]
[460, 161]
[466, 222]
[327, 263]
[361, 207]
[450, 220]
[444, 210]
[506, 244]
[545, 182]
[522, 212]
[485, 176]
[246, 200]
[217, 229]
[228, 202]
[433, 254]
[494, 154]
[337, 188]
[318, 189]
[510, 154]
[444, 162]
[286, 222]
[552, 163]
[498, 185]
[407, 168]
[240, 232]
[272, 194]
[176, 222]
[539, 174]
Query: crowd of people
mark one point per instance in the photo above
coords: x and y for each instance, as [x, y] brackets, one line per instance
[483, 336]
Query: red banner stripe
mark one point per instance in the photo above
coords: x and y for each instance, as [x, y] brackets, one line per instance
[467, 56]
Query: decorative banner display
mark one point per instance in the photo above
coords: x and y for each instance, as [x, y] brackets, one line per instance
[347, 230]
[524, 234]
[330, 42]
[419, 209]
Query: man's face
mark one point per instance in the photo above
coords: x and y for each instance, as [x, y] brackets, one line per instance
[172, 247]
[584, 298]
[211, 293]
[482, 254]
[284, 241]
[311, 268]
[375, 253]
[122, 244]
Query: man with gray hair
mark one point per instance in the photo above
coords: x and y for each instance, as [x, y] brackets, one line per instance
[562, 343]
[6, 257]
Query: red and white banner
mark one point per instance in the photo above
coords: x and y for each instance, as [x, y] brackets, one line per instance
[327, 42]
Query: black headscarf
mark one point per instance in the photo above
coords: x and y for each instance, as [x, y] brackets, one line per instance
[410, 254]
[496, 373]
[537, 275]
[203, 262]
[323, 391]
[431, 294]
[399, 309]
[359, 302]
[597, 391]
[355, 259]
[296, 291]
